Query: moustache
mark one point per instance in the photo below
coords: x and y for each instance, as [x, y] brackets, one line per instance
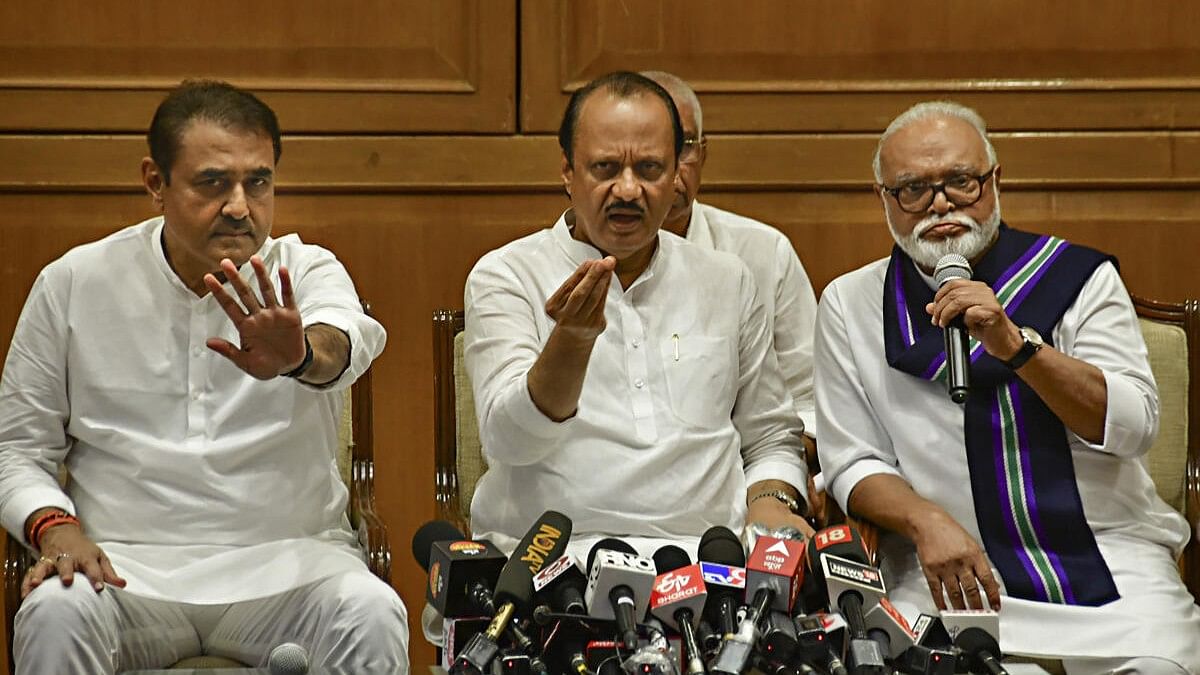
[931, 222]
[625, 206]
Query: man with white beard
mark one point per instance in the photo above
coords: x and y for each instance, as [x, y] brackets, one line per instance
[1033, 497]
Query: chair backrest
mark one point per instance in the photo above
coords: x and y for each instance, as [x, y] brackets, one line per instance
[1172, 334]
[458, 450]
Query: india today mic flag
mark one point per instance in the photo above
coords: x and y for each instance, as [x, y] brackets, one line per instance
[676, 590]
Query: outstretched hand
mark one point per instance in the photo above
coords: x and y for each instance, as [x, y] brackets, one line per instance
[955, 566]
[271, 333]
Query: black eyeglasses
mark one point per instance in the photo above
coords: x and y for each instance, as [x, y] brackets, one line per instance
[961, 190]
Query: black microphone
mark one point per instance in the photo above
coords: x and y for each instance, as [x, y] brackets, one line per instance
[545, 541]
[723, 566]
[981, 648]
[460, 572]
[854, 587]
[678, 599]
[617, 573]
[958, 349]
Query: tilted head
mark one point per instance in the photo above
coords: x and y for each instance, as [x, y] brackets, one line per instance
[938, 178]
[694, 152]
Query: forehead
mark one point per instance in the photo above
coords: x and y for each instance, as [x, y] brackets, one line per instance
[608, 123]
[931, 147]
[205, 144]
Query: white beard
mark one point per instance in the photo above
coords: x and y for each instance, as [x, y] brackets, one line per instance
[969, 244]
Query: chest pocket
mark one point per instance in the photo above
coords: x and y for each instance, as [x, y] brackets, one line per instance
[701, 376]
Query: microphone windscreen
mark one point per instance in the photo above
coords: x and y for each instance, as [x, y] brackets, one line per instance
[288, 658]
[434, 530]
[977, 641]
[611, 544]
[720, 545]
[951, 266]
[546, 541]
[670, 558]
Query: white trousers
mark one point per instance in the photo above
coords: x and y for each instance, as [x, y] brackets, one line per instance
[1141, 665]
[351, 623]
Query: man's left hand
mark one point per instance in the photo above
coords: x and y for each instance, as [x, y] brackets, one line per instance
[774, 514]
[982, 313]
[271, 334]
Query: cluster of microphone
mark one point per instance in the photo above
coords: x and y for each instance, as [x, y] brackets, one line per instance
[793, 606]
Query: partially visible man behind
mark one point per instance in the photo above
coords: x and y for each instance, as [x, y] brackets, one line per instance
[188, 370]
[1034, 497]
[623, 376]
[783, 285]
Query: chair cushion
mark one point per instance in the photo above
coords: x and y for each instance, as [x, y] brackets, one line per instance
[206, 662]
[469, 457]
[1167, 458]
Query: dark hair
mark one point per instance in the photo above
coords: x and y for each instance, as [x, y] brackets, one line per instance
[213, 101]
[622, 84]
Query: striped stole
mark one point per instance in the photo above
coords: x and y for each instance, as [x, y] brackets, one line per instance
[1022, 476]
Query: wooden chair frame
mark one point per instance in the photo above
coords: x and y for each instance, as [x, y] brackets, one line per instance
[1186, 315]
[446, 325]
[372, 533]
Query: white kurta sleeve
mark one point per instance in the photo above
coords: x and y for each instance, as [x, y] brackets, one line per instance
[1101, 329]
[325, 294]
[34, 407]
[854, 444]
[763, 412]
[795, 316]
[500, 346]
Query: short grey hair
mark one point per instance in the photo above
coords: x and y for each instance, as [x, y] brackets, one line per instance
[927, 110]
[678, 89]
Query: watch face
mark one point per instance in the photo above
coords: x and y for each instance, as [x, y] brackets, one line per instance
[1032, 336]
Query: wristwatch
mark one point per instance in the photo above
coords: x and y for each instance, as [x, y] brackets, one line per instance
[788, 500]
[1033, 342]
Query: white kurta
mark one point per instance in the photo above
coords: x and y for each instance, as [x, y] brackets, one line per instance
[783, 287]
[201, 483]
[682, 408]
[876, 419]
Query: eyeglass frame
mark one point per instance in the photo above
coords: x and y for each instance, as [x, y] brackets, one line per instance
[935, 188]
[693, 145]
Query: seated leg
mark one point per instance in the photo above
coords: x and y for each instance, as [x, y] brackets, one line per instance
[348, 623]
[73, 630]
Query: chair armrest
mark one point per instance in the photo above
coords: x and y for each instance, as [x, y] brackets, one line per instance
[372, 533]
[16, 563]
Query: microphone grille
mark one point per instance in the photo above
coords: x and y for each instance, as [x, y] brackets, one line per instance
[608, 544]
[288, 658]
[951, 266]
[433, 531]
[670, 558]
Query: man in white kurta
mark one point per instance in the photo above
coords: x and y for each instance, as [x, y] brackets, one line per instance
[623, 376]
[783, 285]
[211, 510]
[893, 443]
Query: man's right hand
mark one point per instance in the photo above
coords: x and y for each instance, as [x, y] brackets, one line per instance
[954, 563]
[66, 550]
[577, 307]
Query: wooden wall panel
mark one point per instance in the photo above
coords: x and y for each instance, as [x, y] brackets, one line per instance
[775, 65]
[381, 66]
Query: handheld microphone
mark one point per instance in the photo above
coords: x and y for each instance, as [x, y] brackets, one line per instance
[616, 573]
[958, 349]
[977, 633]
[561, 584]
[815, 646]
[461, 572]
[678, 599]
[546, 540]
[771, 583]
[723, 566]
[288, 658]
[853, 586]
